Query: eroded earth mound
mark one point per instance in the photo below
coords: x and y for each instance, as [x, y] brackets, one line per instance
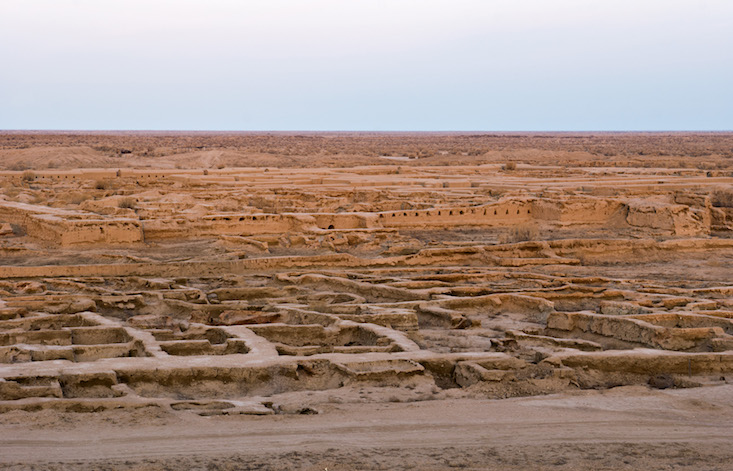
[217, 289]
[254, 290]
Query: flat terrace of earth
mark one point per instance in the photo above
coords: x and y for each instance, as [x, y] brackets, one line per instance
[37, 150]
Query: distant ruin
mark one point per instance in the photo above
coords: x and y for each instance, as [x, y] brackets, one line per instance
[186, 288]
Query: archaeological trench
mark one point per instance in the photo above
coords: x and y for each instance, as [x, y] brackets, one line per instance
[223, 291]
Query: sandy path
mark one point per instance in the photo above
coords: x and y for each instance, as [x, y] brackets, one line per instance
[627, 428]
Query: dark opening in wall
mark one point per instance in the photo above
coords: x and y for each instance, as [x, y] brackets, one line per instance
[331, 226]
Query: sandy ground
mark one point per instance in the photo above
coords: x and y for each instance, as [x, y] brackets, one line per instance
[39, 150]
[622, 428]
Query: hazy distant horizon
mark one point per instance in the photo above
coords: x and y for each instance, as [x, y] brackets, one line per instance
[380, 66]
[354, 131]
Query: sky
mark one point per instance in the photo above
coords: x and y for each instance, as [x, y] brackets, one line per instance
[370, 65]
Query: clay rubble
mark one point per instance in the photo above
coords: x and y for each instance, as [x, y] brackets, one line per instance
[220, 291]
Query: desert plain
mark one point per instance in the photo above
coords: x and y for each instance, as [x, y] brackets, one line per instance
[343, 301]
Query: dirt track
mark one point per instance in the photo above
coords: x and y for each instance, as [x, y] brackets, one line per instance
[622, 428]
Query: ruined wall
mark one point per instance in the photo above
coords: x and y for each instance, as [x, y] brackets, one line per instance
[675, 218]
[227, 224]
[577, 210]
[84, 231]
[249, 224]
[345, 220]
[254, 224]
[70, 227]
[503, 213]
[200, 269]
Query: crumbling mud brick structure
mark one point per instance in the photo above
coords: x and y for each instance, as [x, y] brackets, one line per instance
[219, 290]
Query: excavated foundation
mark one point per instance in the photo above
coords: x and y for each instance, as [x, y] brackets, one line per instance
[219, 292]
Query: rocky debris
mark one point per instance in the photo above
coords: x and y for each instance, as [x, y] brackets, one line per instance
[243, 317]
[213, 292]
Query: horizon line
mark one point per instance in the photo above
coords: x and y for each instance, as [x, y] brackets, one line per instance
[346, 131]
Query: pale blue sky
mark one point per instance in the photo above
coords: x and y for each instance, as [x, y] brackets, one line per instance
[367, 64]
